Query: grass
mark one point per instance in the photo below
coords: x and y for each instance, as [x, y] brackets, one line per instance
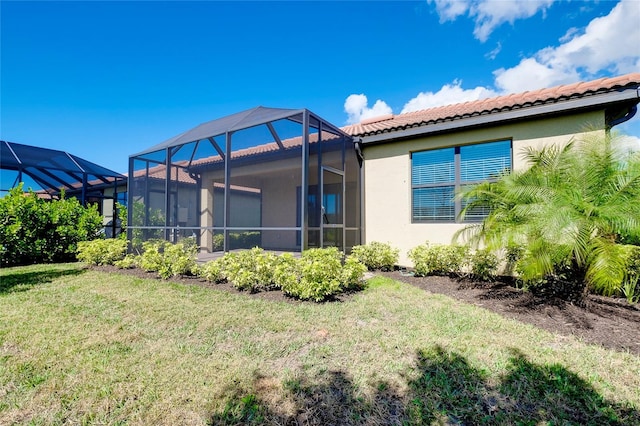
[85, 347]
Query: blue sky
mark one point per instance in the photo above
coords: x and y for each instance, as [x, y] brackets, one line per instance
[104, 80]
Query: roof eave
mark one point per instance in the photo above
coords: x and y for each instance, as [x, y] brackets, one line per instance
[590, 102]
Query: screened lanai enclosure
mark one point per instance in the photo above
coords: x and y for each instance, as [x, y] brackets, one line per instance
[280, 179]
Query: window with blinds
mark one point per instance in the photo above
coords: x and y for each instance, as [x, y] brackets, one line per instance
[437, 175]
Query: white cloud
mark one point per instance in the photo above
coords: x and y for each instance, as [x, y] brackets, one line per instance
[356, 106]
[609, 43]
[449, 10]
[489, 14]
[448, 94]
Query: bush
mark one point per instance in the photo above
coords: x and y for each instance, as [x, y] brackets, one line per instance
[151, 258]
[102, 252]
[34, 230]
[130, 261]
[179, 259]
[376, 255]
[352, 276]
[438, 259]
[287, 272]
[484, 265]
[319, 274]
[167, 259]
[630, 287]
[212, 271]
[250, 269]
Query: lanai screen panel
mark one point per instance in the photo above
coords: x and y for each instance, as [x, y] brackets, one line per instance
[255, 178]
[147, 197]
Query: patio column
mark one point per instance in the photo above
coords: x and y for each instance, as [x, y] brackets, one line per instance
[206, 215]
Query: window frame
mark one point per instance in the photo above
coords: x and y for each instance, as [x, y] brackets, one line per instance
[456, 183]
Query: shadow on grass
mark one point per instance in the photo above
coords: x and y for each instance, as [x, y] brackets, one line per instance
[25, 278]
[443, 389]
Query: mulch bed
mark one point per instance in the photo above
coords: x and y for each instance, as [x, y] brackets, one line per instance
[610, 322]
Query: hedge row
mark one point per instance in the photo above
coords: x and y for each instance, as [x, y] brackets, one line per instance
[35, 230]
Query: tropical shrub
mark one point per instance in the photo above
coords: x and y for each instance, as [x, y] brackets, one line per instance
[123, 217]
[250, 270]
[212, 271]
[35, 230]
[102, 252]
[319, 271]
[167, 259]
[483, 264]
[286, 273]
[151, 258]
[179, 259]
[352, 275]
[319, 274]
[376, 255]
[130, 261]
[438, 259]
[571, 210]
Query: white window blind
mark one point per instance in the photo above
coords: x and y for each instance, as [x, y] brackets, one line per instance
[436, 175]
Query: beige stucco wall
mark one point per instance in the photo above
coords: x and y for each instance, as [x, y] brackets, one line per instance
[387, 169]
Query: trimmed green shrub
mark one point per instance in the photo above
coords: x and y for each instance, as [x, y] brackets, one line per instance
[319, 271]
[179, 259]
[34, 230]
[287, 271]
[212, 271]
[152, 257]
[130, 261]
[250, 270]
[167, 259]
[319, 274]
[102, 252]
[438, 259]
[352, 276]
[376, 255]
[484, 265]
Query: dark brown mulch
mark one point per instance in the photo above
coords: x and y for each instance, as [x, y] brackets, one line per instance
[610, 322]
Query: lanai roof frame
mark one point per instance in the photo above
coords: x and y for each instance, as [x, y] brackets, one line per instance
[224, 128]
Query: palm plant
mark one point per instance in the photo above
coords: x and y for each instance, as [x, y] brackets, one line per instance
[572, 210]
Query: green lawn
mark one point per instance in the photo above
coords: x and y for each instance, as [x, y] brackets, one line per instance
[86, 347]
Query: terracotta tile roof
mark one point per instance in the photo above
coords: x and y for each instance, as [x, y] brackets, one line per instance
[158, 173]
[390, 123]
[266, 148]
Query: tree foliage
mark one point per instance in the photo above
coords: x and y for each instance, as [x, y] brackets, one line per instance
[572, 211]
[35, 230]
